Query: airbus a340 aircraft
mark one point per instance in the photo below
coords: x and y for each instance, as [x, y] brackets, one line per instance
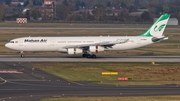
[87, 46]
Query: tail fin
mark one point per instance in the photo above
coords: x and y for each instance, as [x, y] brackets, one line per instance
[157, 29]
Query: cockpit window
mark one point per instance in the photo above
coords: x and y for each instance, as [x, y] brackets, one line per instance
[11, 42]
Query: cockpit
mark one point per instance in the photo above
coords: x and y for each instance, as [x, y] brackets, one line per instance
[12, 44]
[11, 41]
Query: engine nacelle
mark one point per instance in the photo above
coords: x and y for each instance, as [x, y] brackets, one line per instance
[74, 51]
[96, 49]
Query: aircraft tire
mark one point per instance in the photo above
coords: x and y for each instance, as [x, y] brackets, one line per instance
[88, 56]
[22, 56]
[93, 56]
[84, 55]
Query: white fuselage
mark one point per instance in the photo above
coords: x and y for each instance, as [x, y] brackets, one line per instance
[59, 43]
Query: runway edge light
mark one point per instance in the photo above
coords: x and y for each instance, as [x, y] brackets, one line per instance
[153, 63]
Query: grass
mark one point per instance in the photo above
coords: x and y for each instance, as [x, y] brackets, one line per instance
[139, 98]
[74, 25]
[141, 73]
[77, 25]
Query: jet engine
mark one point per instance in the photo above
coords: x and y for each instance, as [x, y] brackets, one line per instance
[96, 49]
[74, 51]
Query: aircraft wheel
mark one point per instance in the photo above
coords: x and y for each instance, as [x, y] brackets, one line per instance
[88, 56]
[93, 56]
[84, 55]
[22, 56]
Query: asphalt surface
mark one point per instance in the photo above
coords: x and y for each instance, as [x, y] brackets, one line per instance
[65, 28]
[29, 84]
[32, 58]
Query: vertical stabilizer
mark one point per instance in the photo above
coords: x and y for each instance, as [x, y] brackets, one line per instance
[157, 29]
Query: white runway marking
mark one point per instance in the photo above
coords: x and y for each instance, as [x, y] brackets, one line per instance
[13, 58]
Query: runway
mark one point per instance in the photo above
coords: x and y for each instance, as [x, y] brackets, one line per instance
[33, 58]
[82, 28]
[32, 85]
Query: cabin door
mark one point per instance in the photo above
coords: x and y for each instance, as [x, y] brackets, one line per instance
[20, 42]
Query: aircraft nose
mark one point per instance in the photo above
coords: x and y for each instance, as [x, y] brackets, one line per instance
[7, 45]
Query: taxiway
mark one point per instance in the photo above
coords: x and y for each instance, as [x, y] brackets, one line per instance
[33, 85]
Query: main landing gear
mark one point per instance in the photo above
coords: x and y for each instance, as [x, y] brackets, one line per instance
[89, 55]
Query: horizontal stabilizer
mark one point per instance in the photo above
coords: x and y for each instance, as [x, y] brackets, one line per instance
[154, 39]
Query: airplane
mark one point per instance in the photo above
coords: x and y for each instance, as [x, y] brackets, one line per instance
[89, 45]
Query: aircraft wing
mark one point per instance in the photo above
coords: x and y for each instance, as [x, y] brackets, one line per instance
[104, 44]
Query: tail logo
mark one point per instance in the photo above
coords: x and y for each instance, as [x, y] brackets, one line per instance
[156, 28]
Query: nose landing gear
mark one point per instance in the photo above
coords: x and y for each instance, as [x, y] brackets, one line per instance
[22, 54]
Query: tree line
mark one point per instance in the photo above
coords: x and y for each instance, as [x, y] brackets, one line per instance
[96, 10]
